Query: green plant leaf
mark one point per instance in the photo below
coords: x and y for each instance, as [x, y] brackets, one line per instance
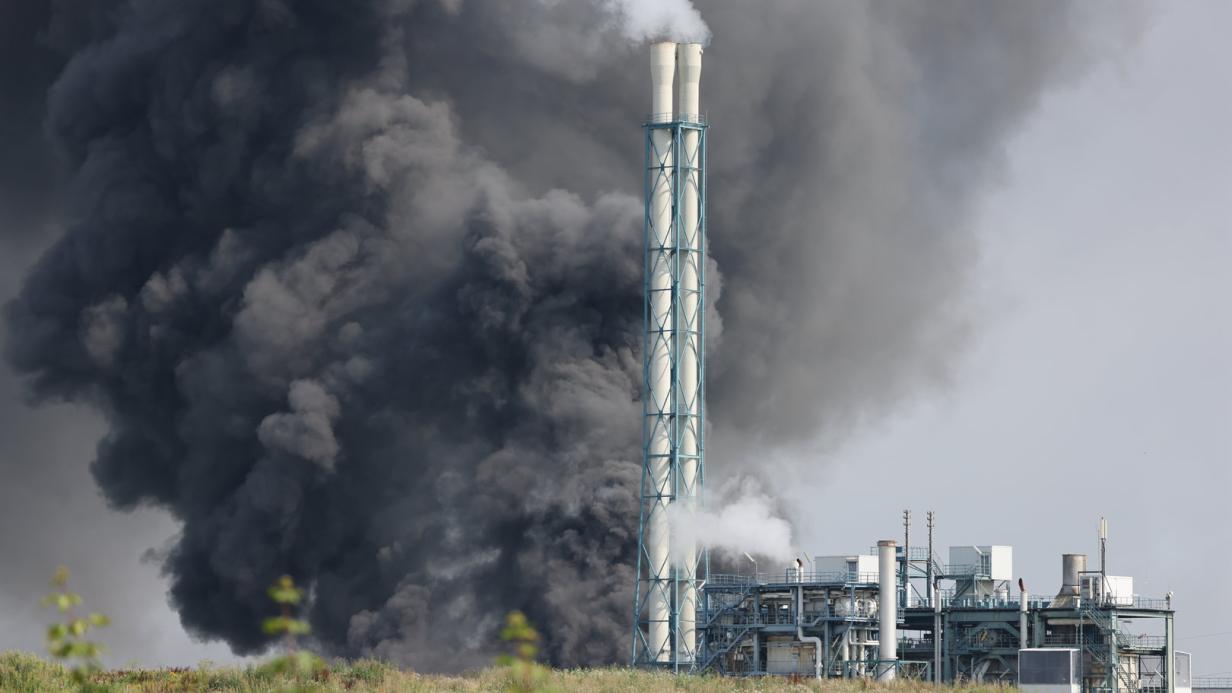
[275, 625]
[297, 627]
[284, 591]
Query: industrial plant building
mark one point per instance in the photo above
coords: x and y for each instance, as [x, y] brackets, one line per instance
[901, 611]
[895, 611]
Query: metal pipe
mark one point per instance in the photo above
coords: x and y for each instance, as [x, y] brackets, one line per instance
[1022, 615]
[827, 637]
[757, 665]
[888, 607]
[936, 594]
[1169, 652]
[845, 651]
[810, 639]
[659, 358]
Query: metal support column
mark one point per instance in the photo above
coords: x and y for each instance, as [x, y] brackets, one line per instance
[1169, 654]
[936, 597]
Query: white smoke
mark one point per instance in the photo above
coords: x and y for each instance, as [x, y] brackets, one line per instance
[644, 20]
[739, 518]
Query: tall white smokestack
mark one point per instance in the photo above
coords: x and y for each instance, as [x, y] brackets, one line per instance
[887, 636]
[659, 374]
[688, 324]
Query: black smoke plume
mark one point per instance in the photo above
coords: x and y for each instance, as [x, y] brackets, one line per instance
[357, 284]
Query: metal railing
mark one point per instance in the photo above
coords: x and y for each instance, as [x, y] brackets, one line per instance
[666, 118]
[917, 670]
[988, 639]
[989, 602]
[993, 602]
[1074, 640]
[790, 577]
[1141, 642]
[1212, 682]
[1125, 641]
[736, 616]
[965, 569]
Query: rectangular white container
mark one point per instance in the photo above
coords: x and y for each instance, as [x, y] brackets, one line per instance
[856, 568]
[994, 562]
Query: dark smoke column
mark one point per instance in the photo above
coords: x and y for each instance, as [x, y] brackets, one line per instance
[335, 340]
[354, 312]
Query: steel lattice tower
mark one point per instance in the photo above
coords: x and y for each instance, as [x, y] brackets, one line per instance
[666, 597]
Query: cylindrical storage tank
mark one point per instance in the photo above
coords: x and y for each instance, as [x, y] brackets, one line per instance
[689, 250]
[1072, 566]
[887, 636]
[661, 336]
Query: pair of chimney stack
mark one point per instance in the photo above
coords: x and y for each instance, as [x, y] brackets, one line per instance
[669, 63]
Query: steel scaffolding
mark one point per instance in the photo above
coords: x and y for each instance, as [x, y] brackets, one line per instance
[673, 422]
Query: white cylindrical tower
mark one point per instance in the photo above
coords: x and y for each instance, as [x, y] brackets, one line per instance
[887, 607]
[1022, 615]
[661, 332]
[688, 326]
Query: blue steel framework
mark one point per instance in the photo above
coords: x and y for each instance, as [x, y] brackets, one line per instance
[970, 638]
[673, 414]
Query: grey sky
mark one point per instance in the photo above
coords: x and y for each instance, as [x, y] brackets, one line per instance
[54, 514]
[1101, 384]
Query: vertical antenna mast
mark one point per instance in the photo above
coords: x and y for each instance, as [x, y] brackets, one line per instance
[906, 577]
[1103, 558]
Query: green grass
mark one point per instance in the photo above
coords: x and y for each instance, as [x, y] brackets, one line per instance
[20, 672]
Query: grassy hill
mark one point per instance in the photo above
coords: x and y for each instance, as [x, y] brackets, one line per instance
[25, 672]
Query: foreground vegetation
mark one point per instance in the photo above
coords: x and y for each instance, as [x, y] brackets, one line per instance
[29, 673]
[76, 665]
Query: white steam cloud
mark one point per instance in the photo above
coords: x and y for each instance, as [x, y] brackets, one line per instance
[644, 20]
[739, 518]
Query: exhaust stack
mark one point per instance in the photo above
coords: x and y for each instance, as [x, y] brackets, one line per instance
[667, 595]
[1022, 614]
[887, 636]
[688, 325]
[658, 355]
[1072, 565]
